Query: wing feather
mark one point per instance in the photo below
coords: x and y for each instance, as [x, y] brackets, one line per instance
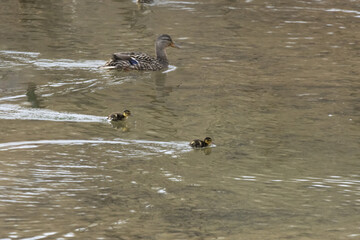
[134, 61]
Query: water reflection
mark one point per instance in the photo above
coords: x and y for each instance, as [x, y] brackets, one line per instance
[32, 97]
[206, 151]
[123, 126]
[160, 83]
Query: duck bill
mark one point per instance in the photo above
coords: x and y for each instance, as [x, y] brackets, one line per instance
[174, 45]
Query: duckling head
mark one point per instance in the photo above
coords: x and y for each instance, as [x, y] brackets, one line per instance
[208, 140]
[126, 113]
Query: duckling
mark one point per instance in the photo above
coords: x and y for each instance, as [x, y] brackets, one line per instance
[119, 116]
[143, 61]
[145, 1]
[197, 143]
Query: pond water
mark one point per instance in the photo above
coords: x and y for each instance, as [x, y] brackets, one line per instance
[274, 83]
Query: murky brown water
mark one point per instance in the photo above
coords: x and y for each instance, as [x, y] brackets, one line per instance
[275, 84]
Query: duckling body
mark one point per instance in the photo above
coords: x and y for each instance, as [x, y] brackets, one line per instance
[119, 116]
[143, 61]
[145, 1]
[197, 143]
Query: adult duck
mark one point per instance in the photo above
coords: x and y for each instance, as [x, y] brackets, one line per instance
[143, 61]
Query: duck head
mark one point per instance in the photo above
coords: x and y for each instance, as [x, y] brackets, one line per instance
[208, 140]
[164, 41]
[126, 113]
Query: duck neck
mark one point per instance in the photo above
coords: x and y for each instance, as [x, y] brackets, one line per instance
[161, 55]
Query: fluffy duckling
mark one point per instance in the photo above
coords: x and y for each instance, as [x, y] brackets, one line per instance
[143, 61]
[197, 143]
[145, 1]
[119, 116]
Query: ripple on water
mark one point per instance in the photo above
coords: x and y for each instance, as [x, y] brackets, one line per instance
[60, 64]
[146, 147]
[349, 184]
[13, 112]
[42, 236]
[182, 5]
[12, 53]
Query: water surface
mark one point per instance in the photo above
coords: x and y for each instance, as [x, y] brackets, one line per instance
[275, 84]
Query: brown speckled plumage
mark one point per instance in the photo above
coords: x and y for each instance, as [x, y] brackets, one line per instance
[143, 61]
